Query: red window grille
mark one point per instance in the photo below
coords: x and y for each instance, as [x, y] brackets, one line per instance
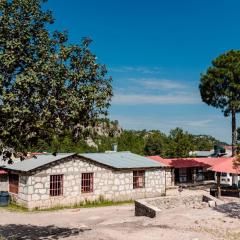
[13, 183]
[87, 182]
[56, 185]
[139, 179]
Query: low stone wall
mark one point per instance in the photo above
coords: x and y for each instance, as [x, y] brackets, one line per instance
[143, 208]
[175, 201]
[152, 207]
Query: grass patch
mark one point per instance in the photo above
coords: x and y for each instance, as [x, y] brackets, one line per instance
[85, 204]
[14, 207]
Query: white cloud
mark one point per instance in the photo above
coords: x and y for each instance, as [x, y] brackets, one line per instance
[148, 123]
[193, 123]
[140, 69]
[154, 83]
[138, 99]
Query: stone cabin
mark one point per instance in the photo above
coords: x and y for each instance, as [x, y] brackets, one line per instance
[68, 179]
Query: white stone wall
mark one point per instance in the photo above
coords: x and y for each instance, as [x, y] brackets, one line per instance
[169, 178]
[108, 183]
[3, 182]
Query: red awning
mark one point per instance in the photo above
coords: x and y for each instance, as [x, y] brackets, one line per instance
[164, 161]
[3, 171]
[226, 167]
[190, 162]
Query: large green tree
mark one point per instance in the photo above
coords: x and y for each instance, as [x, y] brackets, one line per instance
[46, 84]
[155, 143]
[180, 143]
[132, 141]
[220, 87]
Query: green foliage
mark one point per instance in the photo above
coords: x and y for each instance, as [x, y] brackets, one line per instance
[100, 202]
[63, 144]
[133, 141]
[47, 86]
[155, 142]
[220, 86]
[178, 144]
[205, 142]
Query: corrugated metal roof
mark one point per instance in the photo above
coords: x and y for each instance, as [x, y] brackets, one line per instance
[33, 163]
[122, 160]
[118, 160]
[190, 162]
[226, 166]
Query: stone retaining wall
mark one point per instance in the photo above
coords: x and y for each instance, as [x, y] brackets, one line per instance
[143, 208]
[175, 201]
[152, 207]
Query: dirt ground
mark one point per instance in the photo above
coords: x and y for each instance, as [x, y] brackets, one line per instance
[119, 222]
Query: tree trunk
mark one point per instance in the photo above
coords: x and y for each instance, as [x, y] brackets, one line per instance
[234, 133]
[218, 184]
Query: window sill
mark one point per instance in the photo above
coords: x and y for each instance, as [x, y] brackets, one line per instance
[61, 196]
[85, 193]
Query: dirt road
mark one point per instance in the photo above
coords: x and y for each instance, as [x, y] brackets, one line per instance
[108, 223]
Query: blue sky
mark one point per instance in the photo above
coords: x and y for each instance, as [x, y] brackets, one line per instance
[155, 51]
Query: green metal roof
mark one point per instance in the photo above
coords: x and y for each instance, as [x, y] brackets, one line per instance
[122, 160]
[117, 160]
[33, 163]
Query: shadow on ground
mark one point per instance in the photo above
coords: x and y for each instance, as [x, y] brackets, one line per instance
[32, 232]
[230, 209]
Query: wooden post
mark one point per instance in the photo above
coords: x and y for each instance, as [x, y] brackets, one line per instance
[218, 185]
[194, 176]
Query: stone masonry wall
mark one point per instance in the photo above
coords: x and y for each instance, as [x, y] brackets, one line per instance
[109, 184]
[152, 207]
[3, 182]
[169, 178]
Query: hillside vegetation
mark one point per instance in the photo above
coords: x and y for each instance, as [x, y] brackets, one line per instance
[100, 138]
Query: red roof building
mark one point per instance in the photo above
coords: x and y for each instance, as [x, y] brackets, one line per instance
[192, 170]
[190, 162]
[226, 167]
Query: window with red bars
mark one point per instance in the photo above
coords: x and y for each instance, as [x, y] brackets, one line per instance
[56, 185]
[13, 183]
[87, 182]
[139, 179]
